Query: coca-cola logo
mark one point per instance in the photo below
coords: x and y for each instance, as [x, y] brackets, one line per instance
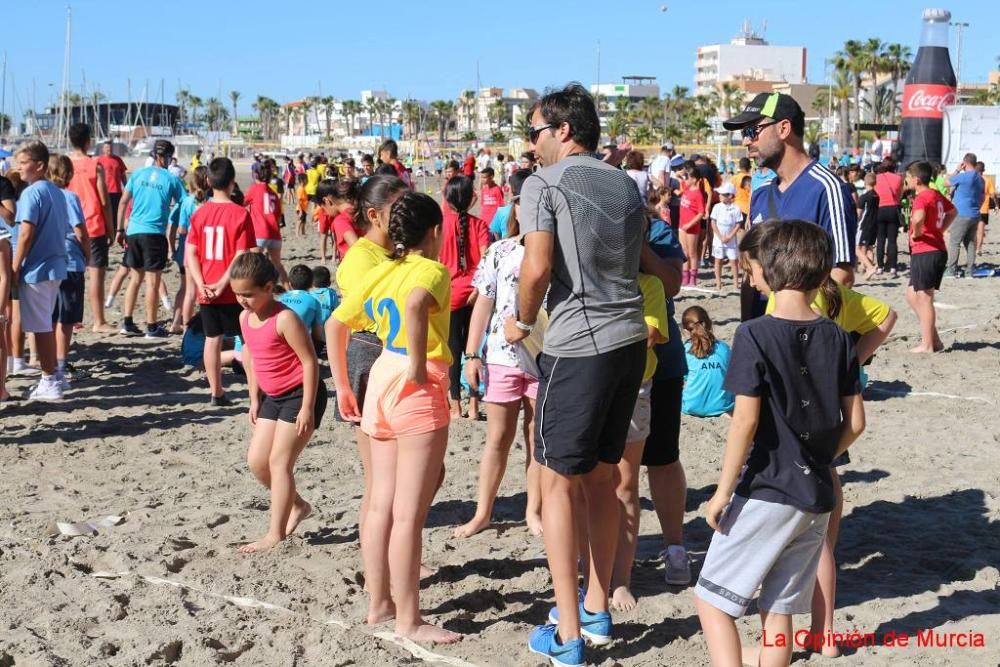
[921, 100]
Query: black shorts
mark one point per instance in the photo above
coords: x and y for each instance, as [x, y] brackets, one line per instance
[146, 252]
[115, 199]
[69, 301]
[984, 218]
[362, 352]
[99, 252]
[286, 406]
[927, 269]
[663, 441]
[867, 232]
[220, 319]
[584, 408]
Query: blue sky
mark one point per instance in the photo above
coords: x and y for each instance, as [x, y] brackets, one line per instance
[426, 49]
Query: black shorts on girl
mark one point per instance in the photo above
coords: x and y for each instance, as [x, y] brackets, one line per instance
[362, 352]
[286, 406]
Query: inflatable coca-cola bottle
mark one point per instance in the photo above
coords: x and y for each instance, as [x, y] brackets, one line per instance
[930, 86]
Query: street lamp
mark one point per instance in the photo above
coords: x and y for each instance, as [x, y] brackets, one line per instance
[960, 26]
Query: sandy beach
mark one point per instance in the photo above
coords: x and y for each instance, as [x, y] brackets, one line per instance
[135, 438]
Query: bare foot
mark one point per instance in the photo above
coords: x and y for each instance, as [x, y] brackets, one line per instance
[103, 328]
[176, 329]
[426, 571]
[432, 634]
[380, 612]
[298, 514]
[923, 349]
[750, 656]
[623, 600]
[534, 522]
[472, 527]
[262, 544]
[828, 650]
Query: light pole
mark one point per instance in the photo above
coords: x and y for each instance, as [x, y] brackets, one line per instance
[959, 27]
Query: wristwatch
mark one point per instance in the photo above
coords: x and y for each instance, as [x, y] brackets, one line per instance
[469, 357]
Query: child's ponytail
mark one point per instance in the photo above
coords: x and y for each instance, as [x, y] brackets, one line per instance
[698, 324]
[411, 217]
[831, 295]
[198, 183]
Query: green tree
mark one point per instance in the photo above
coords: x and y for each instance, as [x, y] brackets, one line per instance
[4, 123]
[897, 63]
[234, 97]
[329, 105]
[852, 59]
[196, 103]
[444, 111]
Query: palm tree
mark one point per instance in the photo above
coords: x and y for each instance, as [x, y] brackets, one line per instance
[649, 112]
[897, 63]
[371, 106]
[731, 98]
[986, 96]
[874, 60]
[842, 90]
[884, 105]
[643, 135]
[851, 59]
[328, 103]
[304, 109]
[351, 110]
[234, 97]
[468, 103]
[521, 125]
[617, 127]
[196, 104]
[183, 100]
[442, 116]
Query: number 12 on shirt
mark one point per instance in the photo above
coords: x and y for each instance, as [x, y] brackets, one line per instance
[214, 250]
[386, 309]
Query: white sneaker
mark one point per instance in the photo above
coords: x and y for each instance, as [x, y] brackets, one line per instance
[62, 381]
[165, 302]
[107, 302]
[47, 389]
[678, 567]
[21, 369]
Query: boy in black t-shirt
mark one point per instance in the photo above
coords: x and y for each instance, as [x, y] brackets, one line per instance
[867, 227]
[798, 402]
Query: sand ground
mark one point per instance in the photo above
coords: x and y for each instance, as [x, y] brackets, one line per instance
[919, 547]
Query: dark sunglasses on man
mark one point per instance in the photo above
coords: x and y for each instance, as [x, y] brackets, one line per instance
[753, 131]
[533, 131]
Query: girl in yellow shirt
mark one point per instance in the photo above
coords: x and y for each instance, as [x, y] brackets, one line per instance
[406, 413]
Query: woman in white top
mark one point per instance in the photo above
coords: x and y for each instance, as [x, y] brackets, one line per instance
[635, 167]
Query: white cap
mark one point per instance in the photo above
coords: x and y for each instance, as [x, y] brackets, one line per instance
[726, 189]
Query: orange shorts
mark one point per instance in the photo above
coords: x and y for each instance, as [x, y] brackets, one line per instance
[395, 407]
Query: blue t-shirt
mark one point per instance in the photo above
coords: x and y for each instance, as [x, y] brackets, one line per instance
[703, 393]
[816, 195]
[153, 190]
[180, 217]
[760, 178]
[968, 194]
[670, 355]
[43, 205]
[304, 305]
[75, 262]
[328, 301]
[498, 226]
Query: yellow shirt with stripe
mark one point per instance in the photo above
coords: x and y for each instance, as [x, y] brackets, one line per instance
[654, 311]
[381, 300]
[859, 313]
[359, 259]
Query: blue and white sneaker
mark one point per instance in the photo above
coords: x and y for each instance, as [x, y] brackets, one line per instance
[543, 641]
[595, 627]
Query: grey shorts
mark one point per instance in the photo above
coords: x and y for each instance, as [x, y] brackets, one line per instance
[638, 428]
[767, 546]
[362, 352]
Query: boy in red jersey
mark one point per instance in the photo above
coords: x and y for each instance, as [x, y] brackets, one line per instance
[930, 218]
[221, 230]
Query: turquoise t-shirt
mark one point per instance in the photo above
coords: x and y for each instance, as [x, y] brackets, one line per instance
[328, 301]
[703, 393]
[43, 205]
[305, 306]
[498, 226]
[153, 190]
[180, 217]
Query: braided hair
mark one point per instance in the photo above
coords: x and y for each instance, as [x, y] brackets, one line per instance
[458, 193]
[411, 218]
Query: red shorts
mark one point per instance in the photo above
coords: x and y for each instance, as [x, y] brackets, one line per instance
[395, 407]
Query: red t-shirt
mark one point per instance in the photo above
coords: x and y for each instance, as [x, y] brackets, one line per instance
[402, 172]
[218, 231]
[264, 207]
[692, 204]
[935, 206]
[322, 221]
[114, 172]
[469, 166]
[343, 223]
[888, 186]
[490, 200]
[476, 241]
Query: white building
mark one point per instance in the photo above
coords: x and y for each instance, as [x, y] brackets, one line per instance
[479, 113]
[633, 87]
[748, 56]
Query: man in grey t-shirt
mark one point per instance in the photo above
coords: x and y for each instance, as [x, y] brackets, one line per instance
[583, 224]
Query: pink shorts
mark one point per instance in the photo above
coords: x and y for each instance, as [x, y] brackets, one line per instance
[395, 407]
[505, 384]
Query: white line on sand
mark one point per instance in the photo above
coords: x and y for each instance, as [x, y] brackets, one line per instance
[945, 306]
[704, 290]
[408, 645]
[933, 394]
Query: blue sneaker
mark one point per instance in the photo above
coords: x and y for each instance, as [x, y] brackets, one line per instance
[595, 627]
[543, 642]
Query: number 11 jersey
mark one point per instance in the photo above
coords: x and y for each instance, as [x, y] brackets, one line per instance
[218, 231]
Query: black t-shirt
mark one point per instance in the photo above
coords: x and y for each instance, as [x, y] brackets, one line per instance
[868, 203]
[800, 371]
[6, 189]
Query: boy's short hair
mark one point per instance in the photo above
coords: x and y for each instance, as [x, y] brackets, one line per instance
[300, 277]
[870, 179]
[321, 276]
[795, 255]
[79, 135]
[221, 173]
[922, 171]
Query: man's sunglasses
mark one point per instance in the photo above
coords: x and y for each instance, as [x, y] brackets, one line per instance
[533, 132]
[753, 131]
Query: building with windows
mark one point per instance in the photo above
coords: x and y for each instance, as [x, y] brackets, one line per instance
[748, 57]
[490, 110]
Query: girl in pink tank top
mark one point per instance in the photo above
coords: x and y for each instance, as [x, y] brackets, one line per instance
[287, 398]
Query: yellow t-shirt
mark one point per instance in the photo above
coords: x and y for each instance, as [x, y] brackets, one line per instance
[312, 180]
[988, 195]
[859, 313]
[359, 259]
[195, 163]
[742, 195]
[381, 300]
[321, 168]
[654, 311]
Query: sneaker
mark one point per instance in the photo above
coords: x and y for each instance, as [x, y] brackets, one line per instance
[220, 402]
[21, 369]
[543, 641]
[157, 332]
[108, 302]
[63, 381]
[165, 302]
[47, 389]
[130, 330]
[678, 567]
[596, 627]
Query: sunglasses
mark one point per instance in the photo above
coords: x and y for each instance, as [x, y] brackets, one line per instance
[754, 131]
[533, 132]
